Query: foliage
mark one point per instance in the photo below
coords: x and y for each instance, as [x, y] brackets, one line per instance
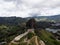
[31, 23]
[47, 37]
[7, 33]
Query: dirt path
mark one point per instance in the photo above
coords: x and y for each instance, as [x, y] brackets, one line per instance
[17, 38]
[41, 42]
[37, 43]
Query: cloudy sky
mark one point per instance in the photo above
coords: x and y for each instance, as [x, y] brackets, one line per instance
[26, 8]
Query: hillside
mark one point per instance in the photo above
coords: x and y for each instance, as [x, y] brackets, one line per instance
[11, 20]
[48, 18]
[47, 37]
[28, 39]
[37, 37]
[17, 20]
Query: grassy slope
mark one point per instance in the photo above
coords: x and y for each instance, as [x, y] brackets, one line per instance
[47, 37]
[43, 35]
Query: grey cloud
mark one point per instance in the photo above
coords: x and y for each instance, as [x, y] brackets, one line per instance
[34, 14]
[47, 4]
[31, 8]
[9, 0]
[18, 1]
[15, 1]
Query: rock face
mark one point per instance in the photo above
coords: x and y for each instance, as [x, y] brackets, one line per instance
[28, 38]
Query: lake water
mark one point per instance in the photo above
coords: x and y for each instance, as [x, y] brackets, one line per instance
[52, 30]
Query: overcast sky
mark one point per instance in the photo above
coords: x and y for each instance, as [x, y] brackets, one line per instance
[26, 8]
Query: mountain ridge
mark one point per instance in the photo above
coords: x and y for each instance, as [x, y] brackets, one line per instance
[16, 20]
[33, 39]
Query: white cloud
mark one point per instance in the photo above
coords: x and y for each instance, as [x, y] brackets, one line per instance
[25, 8]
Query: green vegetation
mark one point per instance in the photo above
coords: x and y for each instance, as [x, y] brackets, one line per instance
[44, 35]
[47, 37]
[30, 35]
[7, 33]
[12, 27]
